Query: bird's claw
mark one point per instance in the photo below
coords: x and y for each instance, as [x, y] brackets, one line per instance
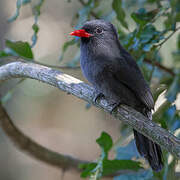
[114, 106]
[97, 95]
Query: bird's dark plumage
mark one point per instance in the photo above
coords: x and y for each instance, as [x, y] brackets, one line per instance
[113, 72]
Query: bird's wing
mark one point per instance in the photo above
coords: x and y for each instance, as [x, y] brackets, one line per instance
[126, 71]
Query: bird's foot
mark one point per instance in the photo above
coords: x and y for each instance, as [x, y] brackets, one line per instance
[115, 106]
[97, 96]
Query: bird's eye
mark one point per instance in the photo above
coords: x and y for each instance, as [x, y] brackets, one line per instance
[98, 30]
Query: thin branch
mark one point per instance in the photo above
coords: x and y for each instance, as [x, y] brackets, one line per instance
[24, 143]
[81, 90]
[168, 70]
[39, 152]
[168, 37]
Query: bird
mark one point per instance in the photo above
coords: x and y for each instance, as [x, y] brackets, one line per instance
[113, 72]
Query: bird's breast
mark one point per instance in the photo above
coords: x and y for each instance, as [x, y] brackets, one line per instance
[92, 70]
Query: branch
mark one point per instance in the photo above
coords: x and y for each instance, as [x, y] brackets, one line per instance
[81, 90]
[168, 70]
[168, 37]
[39, 152]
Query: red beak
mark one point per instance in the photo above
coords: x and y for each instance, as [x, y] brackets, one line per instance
[80, 33]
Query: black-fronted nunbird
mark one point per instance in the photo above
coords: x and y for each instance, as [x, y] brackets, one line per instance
[114, 73]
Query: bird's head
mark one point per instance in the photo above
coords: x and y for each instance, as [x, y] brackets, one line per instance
[98, 36]
[96, 30]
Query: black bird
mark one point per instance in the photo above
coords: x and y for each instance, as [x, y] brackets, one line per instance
[114, 73]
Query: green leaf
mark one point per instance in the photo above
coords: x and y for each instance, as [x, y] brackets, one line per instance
[117, 6]
[35, 28]
[37, 8]
[34, 37]
[3, 54]
[138, 16]
[105, 166]
[105, 142]
[23, 49]
[144, 38]
[36, 11]
[147, 33]
[112, 166]
[143, 17]
[109, 167]
[88, 168]
[150, 35]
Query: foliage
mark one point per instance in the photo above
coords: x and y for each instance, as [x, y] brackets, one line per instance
[104, 166]
[117, 7]
[155, 22]
[20, 48]
[35, 11]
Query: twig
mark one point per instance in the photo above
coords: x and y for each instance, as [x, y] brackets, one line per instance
[168, 70]
[81, 90]
[39, 152]
[168, 37]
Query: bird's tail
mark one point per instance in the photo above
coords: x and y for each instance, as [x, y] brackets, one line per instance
[150, 150]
